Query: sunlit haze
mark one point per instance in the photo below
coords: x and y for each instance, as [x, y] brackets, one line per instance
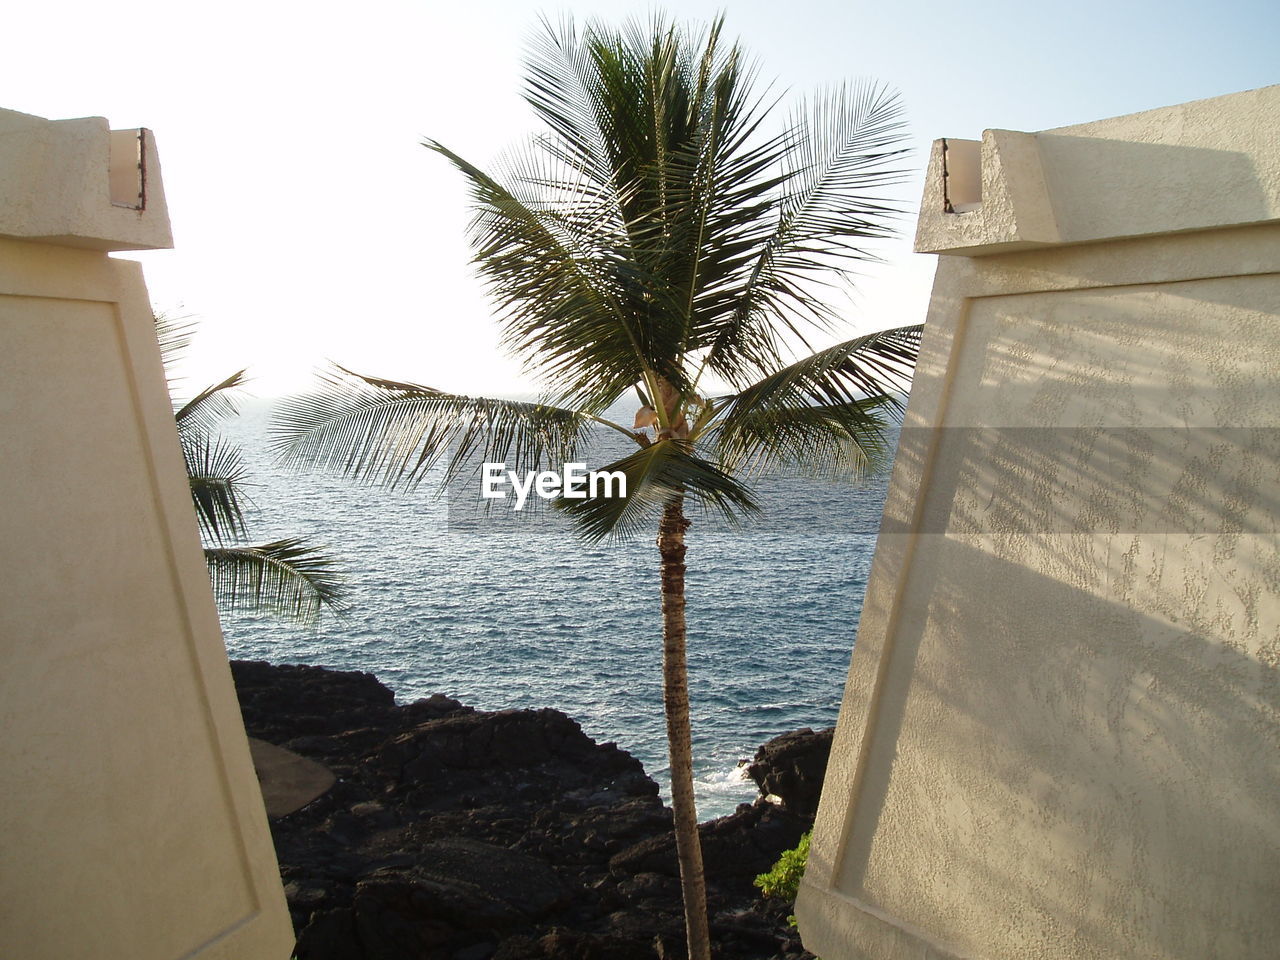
[310, 224]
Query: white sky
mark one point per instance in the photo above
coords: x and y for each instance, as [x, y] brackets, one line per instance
[311, 225]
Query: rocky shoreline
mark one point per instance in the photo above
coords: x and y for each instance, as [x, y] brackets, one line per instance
[457, 834]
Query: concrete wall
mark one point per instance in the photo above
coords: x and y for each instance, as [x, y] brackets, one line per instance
[132, 821]
[76, 183]
[1060, 733]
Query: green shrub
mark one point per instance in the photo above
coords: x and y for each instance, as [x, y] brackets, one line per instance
[783, 881]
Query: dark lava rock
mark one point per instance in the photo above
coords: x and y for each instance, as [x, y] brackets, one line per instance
[735, 849]
[791, 767]
[302, 700]
[471, 884]
[456, 834]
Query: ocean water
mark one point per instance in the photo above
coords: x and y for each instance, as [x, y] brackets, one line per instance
[512, 615]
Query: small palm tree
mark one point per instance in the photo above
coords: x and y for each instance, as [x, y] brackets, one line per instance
[654, 239]
[287, 577]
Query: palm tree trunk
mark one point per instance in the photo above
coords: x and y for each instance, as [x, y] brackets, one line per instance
[675, 696]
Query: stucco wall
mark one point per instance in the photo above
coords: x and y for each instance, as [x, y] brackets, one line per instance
[77, 183]
[132, 821]
[1059, 736]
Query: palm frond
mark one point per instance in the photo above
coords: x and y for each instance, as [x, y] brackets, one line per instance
[557, 278]
[871, 365]
[838, 398]
[562, 87]
[654, 475]
[395, 433]
[216, 472]
[831, 441]
[682, 136]
[205, 411]
[847, 144]
[174, 335]
[289, 577]
[843, 151]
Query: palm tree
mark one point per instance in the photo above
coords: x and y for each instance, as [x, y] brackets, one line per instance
[654, 239]
[288, 577]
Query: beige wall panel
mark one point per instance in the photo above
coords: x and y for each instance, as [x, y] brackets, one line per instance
[1060, 734]
[133, 827]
